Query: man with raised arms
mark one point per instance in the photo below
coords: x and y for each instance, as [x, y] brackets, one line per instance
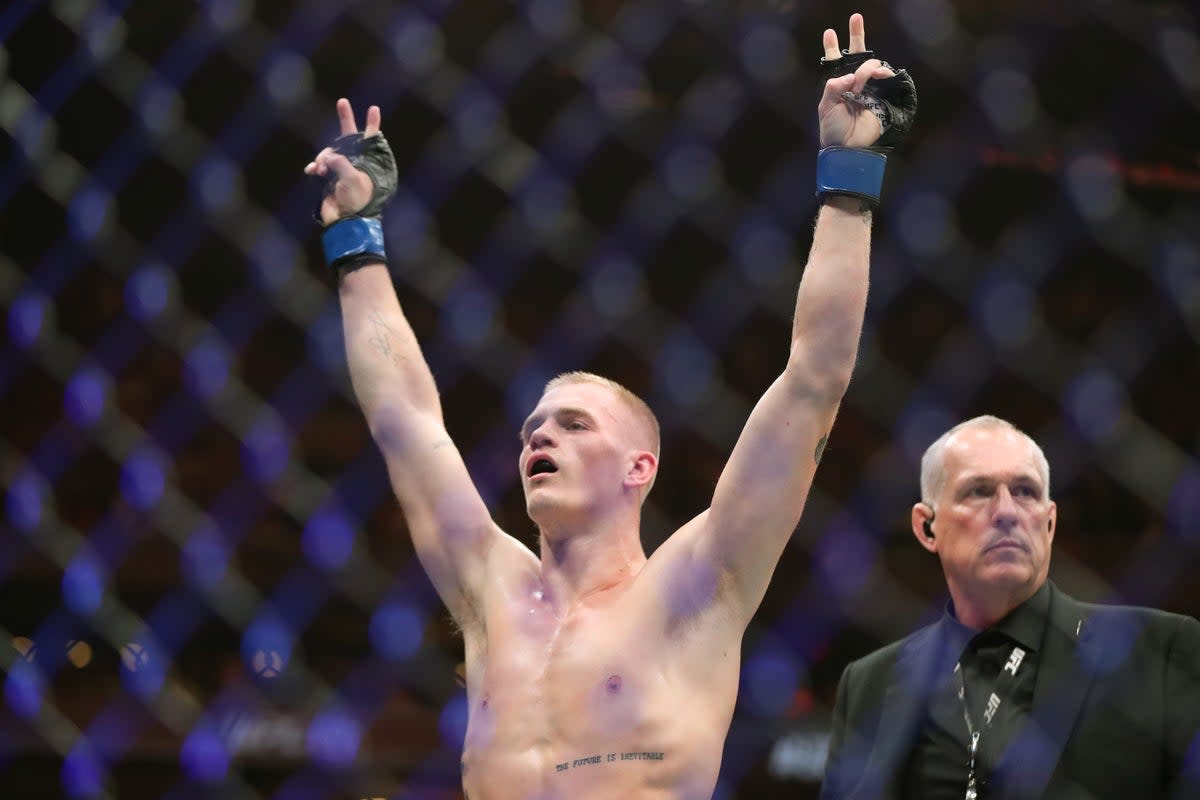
[593, 671]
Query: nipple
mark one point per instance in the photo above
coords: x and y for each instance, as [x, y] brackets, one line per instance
[613, 684]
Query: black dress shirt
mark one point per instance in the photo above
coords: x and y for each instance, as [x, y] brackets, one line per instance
[937, 767]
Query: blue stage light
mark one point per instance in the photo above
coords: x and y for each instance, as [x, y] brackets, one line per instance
[267, 645]
[24, 501]
[334, 738]
[86, 395]
[396, 630]
[1095, 401]
[26, 315]
[770, 677]
[143, 478]
[328, 539]
[452, 722]
[88, 211]
[205, 557]
[266, 450]
[148, 291]
[206, 367]
[204, 756]
[24, 689]
[83, 773]
[83, 584]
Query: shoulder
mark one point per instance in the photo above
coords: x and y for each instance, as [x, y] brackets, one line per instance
[1129, 624]
[1143, 615]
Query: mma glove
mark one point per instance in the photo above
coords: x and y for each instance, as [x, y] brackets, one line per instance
[357, 239]
[858, 172]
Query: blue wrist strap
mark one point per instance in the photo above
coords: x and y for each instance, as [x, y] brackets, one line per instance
[349, 238]
[848, 171]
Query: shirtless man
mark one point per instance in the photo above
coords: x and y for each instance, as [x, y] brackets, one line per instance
[593, 671]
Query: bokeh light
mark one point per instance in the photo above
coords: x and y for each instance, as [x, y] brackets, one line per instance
[207, 367]
[83, 773]
[397, 630]
[24, 689]
[329, 539]
[83, 584]
[266, 450]
[452, 721]
[204, 755]
[205, 557]
[26, 316]
[267, 646]
[334, 738]
[143, 477]
[87, 394]
[149, 291]
[25, 500]
[770, 676]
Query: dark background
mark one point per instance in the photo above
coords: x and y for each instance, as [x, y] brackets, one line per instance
[206, 588]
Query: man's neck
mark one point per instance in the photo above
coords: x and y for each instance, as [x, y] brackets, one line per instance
[583, 560]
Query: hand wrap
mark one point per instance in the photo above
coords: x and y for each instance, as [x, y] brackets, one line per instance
[356, 240]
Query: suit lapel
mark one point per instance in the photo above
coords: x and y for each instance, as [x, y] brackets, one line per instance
[914, 678]
[1030, 760]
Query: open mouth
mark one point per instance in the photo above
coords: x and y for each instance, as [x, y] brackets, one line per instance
[541, 466]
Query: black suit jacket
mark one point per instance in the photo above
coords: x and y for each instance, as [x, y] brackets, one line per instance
[1116, 710]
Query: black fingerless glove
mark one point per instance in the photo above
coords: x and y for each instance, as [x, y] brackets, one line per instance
[357, 240]
[893, 101]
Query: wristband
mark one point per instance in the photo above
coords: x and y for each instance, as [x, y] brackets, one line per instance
[849, 171]
[353, 239]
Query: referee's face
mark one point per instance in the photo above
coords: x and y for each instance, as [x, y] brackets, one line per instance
[994, 521]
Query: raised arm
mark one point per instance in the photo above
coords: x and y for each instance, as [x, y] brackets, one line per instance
[762, 490]
[451, 529]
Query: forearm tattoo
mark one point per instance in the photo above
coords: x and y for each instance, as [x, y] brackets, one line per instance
[380, 338]
[820, 451]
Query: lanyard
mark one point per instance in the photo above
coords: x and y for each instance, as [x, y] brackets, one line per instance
[1008, 675]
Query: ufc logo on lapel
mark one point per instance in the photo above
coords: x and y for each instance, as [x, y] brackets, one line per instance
[990, 711]
[1014, 660]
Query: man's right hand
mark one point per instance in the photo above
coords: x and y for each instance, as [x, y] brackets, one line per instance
[349, 188]
[843, 122]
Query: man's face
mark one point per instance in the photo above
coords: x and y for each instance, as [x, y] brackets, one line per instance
[994, 521]
[576, 449]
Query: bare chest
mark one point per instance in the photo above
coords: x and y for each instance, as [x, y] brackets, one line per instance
[576, 673]
[602, 693]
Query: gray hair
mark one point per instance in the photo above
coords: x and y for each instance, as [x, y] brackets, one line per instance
[933, 463]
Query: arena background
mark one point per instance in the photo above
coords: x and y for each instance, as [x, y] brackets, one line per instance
[206, 588]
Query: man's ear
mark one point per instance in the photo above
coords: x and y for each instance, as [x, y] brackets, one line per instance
[642, 470]
[1052, 520]
[923, 526]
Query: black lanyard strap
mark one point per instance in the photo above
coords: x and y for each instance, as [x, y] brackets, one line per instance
[1003, 689]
